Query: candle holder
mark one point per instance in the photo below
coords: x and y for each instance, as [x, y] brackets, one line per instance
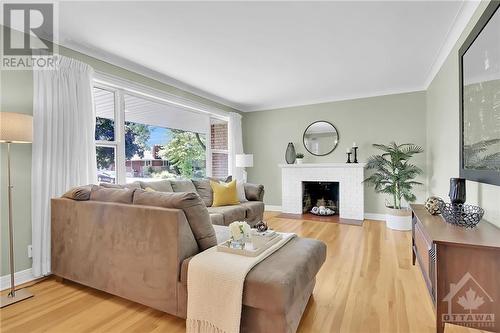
[355, 154]
[349, 157]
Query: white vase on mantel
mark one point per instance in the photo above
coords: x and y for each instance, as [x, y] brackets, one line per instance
[299, 160]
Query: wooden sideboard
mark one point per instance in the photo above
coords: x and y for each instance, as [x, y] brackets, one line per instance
[461, 268]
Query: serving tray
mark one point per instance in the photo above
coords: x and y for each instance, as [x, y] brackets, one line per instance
[249, 250]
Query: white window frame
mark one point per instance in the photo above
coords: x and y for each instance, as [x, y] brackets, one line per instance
[217, 151]
[121, 87]
[117, 131]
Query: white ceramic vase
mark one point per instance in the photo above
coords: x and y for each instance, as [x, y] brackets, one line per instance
[398, 219]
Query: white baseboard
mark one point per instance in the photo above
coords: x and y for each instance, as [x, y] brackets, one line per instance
[19, 278]
[273, 208]
[375, 216]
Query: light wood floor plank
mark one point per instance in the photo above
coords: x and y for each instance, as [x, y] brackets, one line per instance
[367, 284]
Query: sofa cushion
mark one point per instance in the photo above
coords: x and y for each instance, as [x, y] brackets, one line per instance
[160, 186]
[254, 192]
[131, 186]
[230, 213]
[119, 195]
[224, 193]
[79, 193]
[217, 219]
[204, 190]
[274, 284]
[193, 207]
[183, 185]
[253, 210]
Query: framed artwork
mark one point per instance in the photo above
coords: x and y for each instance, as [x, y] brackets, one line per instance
[479, 72]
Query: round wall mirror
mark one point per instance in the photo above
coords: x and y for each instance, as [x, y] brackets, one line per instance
[320, 138]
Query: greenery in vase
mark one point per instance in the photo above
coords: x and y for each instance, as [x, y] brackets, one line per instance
[393, 173]
[299, 155]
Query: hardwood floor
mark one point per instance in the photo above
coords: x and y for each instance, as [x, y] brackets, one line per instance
[367, 284]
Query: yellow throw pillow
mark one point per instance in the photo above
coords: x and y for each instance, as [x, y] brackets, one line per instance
[224, 193]
[149, 189]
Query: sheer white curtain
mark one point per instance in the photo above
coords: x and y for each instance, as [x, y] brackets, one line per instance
[235, 136]
[63, 153]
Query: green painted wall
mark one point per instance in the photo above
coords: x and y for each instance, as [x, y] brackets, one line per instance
[443, 134]
[16, 95]
[399, 117]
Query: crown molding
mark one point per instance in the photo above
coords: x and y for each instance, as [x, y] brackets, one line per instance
[145, 71]
[379, 93]
[460, 22]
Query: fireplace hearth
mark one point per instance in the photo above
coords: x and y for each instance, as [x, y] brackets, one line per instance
[320, 198]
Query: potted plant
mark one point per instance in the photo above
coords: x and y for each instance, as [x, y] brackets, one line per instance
[394, 174]
[299, 157]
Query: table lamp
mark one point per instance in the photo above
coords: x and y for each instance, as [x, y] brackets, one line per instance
[244, 161]
[14, 128]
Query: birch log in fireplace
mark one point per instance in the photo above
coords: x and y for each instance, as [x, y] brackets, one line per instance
[349, 199]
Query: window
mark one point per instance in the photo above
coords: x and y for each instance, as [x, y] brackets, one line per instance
[105, 133]
[140, 136]
[155, 149]
[219, 148]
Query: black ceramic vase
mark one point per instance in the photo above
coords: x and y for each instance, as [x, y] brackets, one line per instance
[457, 190]
[290, 154]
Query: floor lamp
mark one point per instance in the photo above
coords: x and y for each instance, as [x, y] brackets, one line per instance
[14, 128]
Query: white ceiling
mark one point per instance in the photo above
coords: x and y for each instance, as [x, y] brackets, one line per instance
[262, 55]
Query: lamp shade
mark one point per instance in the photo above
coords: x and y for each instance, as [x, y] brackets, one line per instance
[16, 127]
[244, 160]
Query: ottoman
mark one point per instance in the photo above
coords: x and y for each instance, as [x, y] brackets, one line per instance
[277, 290]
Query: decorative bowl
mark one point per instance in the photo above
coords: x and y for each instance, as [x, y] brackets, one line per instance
[463, 215]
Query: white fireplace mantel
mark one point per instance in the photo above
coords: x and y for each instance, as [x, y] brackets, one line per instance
[324, 165]
[349, 176]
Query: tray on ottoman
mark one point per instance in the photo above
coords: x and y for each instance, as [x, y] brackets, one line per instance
[248, 249]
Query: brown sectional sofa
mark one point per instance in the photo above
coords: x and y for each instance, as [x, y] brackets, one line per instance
[251, 211]
[137, 245]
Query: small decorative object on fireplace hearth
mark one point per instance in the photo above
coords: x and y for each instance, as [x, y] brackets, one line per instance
[348, 152]
[463, 215]
[290, 153]
[457, 190]
[261, 226]
[432, 205]
[322, 210]
[355, 148]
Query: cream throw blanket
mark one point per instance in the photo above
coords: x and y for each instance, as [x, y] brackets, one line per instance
[215, 288]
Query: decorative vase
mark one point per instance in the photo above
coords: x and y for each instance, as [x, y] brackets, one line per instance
[457, 191]
[398, 219]
[290, 154]
[299, 160]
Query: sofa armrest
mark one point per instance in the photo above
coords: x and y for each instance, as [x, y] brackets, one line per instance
[127, 250]
[254, 192]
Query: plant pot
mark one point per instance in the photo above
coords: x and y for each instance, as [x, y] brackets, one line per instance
[398, 219]
[299, 160]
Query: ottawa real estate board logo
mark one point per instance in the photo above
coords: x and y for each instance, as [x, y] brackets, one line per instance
[28, 36]
[469, 304]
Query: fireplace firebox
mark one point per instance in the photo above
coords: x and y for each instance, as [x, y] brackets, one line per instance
[320, 197]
